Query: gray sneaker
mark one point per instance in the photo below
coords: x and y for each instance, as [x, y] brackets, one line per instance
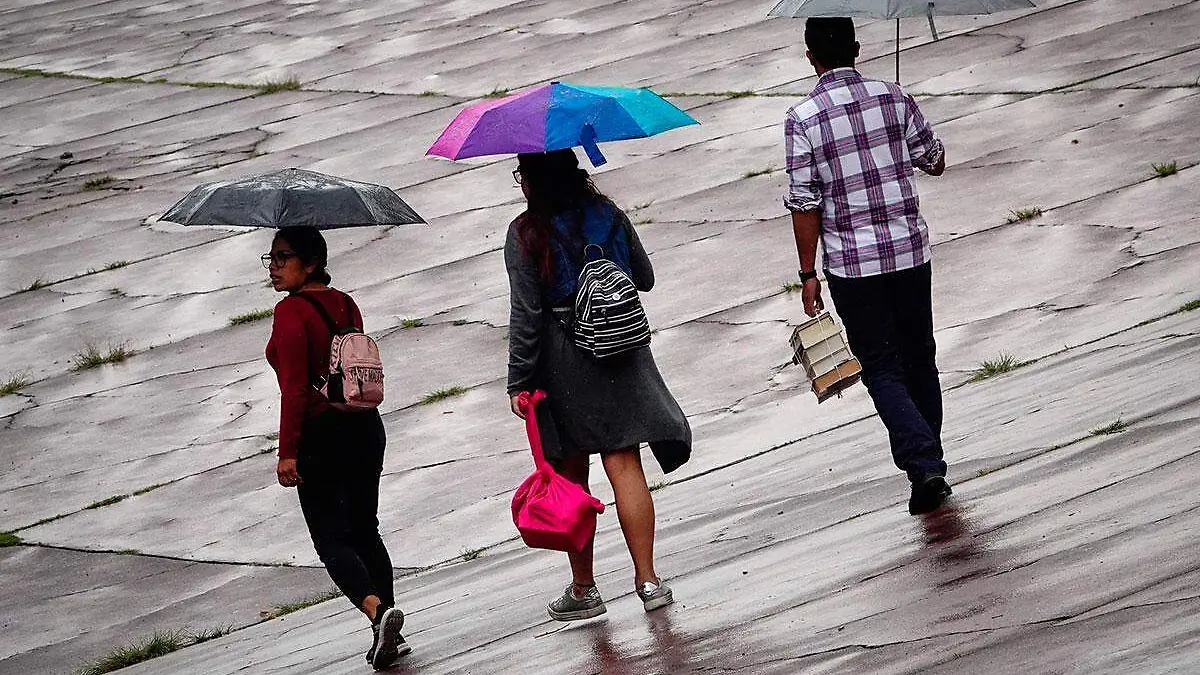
[572, 608]
[655, 595]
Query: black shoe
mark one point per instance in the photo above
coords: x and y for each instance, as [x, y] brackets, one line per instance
[928, 495]
[389, 643]
[374, 643]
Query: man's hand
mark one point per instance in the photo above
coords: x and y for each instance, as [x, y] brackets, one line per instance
[516, 406]
[813, 304]
[286, 471]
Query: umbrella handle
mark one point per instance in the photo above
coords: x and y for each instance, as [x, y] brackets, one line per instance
[587, 139]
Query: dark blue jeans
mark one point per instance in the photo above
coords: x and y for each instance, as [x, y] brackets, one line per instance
[889, 323]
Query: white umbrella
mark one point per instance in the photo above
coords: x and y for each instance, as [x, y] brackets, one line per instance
[893, 9]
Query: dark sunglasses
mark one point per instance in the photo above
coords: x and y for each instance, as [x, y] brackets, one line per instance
[517, 175]
[278, 259]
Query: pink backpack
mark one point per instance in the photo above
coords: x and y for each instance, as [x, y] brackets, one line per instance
[549, 510]
[354, 381]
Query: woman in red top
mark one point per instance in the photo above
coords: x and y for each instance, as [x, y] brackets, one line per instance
[333, 458]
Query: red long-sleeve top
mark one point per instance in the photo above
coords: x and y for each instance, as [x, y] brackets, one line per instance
[299, 352]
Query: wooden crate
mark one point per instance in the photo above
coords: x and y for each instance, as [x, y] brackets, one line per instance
[818, 345]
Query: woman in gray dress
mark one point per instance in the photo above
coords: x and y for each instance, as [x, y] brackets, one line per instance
[604, 406]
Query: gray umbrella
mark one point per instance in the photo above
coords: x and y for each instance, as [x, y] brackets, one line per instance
[894, 9]
[292, 197]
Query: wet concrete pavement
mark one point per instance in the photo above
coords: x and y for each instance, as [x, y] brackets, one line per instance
[1065, 550]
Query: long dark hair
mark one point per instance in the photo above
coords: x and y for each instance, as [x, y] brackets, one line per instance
[554, 184]
[310, 247]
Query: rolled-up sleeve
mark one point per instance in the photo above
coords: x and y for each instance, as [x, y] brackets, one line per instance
[804, 183]
[923, 146]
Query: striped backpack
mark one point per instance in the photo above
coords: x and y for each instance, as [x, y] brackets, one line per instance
[354, 379]
[609, 318]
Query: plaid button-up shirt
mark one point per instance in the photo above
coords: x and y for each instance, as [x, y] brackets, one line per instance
[851, 149]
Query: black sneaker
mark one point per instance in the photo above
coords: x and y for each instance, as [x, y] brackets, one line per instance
[374, 643]
[389, 643]
[928, 495]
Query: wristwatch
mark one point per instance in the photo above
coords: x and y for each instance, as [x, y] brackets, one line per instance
[805, 276]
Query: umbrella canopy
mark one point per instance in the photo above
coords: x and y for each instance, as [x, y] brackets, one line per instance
[894, 9]
[558, 116]
[292, 197]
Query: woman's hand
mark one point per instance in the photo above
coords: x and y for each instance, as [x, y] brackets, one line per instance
[286, 471]
[516, 406]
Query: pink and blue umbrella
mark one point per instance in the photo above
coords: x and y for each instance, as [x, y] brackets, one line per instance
[558, 116]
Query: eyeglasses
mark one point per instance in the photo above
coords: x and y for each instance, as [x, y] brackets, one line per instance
[517, 176]
[278, 258]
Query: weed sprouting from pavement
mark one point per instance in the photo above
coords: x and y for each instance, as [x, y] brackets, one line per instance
[993, 367]
[14, 384]
[759, 172]
[106, 502]
[9, 539]
[655, 487]
[498, 92]
[1189, 306]
[460, 322]
[97, 183]
[1113, 428]
[441, 394]
[116, 265]
[411, 323]
[792, 287]
[1020, 215]
[148, 488]
[159, 644]
[250, 317]
[305, 603]
[273, 86]
[1164, 169]
[36, 284]
[92, 357]
[469, 554]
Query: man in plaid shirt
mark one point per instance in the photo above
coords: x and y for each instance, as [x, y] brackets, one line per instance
[851, 149]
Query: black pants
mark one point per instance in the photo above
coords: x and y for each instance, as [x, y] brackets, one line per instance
[889, 323]
[340, 461]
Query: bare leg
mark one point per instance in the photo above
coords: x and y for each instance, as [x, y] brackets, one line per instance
[635, 510]
[370, 606]
[576, 469]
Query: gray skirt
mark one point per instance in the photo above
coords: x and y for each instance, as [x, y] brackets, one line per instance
[599, 405]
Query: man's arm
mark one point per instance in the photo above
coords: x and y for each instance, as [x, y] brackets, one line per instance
[927, 152]
[804, 201]
[806, 225]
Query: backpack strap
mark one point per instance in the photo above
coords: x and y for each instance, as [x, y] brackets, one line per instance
[329, 322]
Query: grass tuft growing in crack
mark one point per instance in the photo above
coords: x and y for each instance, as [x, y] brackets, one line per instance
[36, 284]
[274, 86]
[459, 322]
[469, 554]
[305, 603]
[1111, 429]
[1164, 169]
[1021, 215]
[792, 287]
[9, 539]
[14, 384]
[106, 502]
[655, 487]
[760, 172]
[159, 644]
[92, 357]
[116, 265]
[250, 317]
[997, 366]
[411, 323]
[498, 92]
[441, 394]
[98, 183]
[1189, 306]
[148, 488]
